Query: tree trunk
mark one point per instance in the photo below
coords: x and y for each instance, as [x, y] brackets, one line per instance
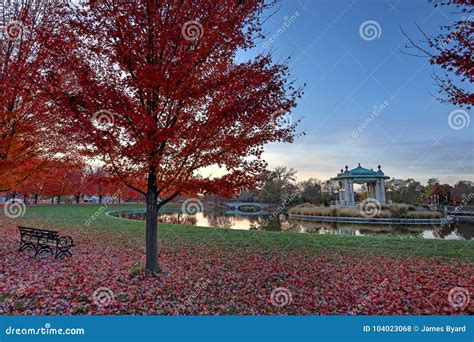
[152, 226]
[78, 198]
[36, 198]
[59, 200]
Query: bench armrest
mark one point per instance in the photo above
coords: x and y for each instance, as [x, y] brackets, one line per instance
[65, 241]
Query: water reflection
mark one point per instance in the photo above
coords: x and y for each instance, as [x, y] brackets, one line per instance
[459, 231]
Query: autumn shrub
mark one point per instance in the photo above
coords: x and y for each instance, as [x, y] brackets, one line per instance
[385, 214]
[387, 211]
[313, 211]
[399, 212]
[425, 214]
[349, 212]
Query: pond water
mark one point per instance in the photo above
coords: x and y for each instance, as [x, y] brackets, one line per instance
[458, 231]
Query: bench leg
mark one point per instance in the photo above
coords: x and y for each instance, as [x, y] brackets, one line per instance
[37, 250]
[37, 247]
[22, 246]
[61, 253]
[26, 245]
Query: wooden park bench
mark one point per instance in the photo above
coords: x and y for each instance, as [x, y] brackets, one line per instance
[45, 241]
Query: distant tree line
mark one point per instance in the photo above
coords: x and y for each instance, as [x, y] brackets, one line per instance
[70, 182]
[279, 184]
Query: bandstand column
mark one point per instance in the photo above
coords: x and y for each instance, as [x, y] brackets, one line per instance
[351, 192]
[382, 190]
[378, 196]
[341, 194]
[347, 192]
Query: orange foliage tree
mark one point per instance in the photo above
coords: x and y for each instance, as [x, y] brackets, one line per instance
[25, 144]
[155, 90]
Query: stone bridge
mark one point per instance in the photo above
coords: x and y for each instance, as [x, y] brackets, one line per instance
[237, 204]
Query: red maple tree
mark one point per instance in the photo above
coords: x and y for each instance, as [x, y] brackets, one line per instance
[60, 178]
[34, 185]
[157, 92]
[25, 144]
[452, 50]
[101, 184]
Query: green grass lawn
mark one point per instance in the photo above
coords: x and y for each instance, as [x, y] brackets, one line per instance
[75, 217]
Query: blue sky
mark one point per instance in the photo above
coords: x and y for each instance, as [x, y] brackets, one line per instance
[347, 75]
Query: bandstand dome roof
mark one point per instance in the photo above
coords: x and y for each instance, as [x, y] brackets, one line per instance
[361, 174]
